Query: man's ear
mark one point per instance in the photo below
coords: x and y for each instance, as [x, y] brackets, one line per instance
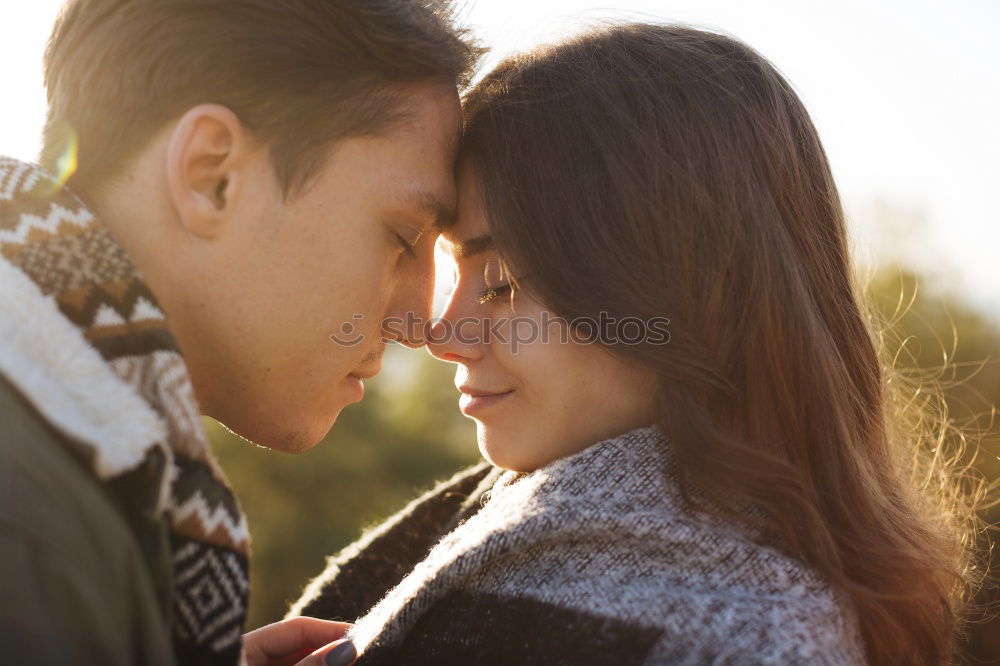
[204, 154]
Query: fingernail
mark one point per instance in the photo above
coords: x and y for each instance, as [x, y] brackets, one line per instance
[342, 655]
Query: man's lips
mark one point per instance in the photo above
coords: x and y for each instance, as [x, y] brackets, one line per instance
[354, 380]
[367, 373]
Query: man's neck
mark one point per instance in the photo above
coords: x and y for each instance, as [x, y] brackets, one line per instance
[134, 211]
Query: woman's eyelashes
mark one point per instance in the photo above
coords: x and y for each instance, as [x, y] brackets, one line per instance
[492, 293]
[496, 271]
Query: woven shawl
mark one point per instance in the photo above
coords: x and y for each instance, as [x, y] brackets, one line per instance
[86, 343]
[593, 559]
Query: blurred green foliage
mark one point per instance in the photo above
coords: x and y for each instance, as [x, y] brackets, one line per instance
[945, 347]
[408, 432]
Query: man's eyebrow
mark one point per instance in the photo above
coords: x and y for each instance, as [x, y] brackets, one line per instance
[473, 246]
[443, 214]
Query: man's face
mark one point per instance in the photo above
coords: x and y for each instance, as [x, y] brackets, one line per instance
[329, 262]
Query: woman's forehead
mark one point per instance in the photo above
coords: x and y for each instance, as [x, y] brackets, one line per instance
[470, 233]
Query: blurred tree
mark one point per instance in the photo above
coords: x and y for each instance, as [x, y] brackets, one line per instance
[943, 346]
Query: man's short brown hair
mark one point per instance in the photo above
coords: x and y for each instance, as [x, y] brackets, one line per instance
[299, 74]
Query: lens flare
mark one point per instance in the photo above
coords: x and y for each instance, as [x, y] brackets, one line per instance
[67, 162]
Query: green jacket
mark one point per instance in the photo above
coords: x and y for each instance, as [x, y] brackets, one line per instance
[75, 585]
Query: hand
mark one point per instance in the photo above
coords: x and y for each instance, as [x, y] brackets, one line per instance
[299, 641]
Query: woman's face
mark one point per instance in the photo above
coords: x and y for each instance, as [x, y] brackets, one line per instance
[535, 393]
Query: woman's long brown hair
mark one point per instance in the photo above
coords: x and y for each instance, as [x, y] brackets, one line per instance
[662, 171]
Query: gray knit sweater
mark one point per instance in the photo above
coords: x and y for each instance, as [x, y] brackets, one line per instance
[592, 559]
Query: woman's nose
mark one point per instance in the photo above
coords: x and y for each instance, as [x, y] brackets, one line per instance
[455, 336]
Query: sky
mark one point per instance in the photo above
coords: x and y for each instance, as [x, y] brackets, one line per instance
[905, 95]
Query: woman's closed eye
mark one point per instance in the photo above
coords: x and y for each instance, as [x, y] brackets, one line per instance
[492, 293]
[497, 272]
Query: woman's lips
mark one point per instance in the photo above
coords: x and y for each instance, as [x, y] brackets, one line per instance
[474, 402]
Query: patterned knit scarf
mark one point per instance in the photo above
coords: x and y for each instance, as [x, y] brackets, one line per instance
[86, 343]
[593, 559]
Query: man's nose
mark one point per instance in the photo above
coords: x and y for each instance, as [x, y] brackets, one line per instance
[407, 320]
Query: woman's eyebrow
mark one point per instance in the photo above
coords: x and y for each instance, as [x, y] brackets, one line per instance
[473, 246]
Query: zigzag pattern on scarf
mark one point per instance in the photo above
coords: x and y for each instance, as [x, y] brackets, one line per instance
[120, 306]
[17, 177]
[162, 379]
[204, 510]
[34, 228]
